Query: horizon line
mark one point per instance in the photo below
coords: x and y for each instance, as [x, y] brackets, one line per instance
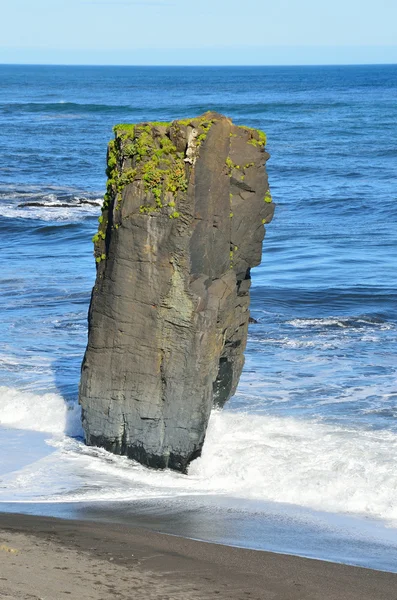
[363, 64]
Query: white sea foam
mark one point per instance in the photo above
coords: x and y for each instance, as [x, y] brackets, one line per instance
[321, 466]
[35, 412]
[51, 207]
[247, 456]
[341, 322]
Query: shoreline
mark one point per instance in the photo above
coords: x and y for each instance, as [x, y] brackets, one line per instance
[163, 566]
[280, 529]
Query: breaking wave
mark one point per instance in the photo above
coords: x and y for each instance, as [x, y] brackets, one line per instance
[257, 457]
[48, 205]
[38, 412]
[342, 322]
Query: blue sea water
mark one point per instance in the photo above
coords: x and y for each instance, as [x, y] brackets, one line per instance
[303, 458]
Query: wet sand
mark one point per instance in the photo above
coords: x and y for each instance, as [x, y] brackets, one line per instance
[45, 558]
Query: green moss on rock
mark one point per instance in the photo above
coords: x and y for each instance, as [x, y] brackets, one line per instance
[268, 197]
[257, 136]
[124, 128]
[151, 154]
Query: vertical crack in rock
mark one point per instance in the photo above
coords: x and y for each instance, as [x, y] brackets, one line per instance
[124, 444]
[182, 224]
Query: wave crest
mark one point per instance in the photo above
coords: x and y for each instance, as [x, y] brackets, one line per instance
[38, 412]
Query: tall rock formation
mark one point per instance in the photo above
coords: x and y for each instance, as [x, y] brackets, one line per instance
[182, 225]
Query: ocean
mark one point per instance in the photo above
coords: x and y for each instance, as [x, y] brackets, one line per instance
[303, 459]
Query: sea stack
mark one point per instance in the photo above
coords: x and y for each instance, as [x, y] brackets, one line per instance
[181, 226]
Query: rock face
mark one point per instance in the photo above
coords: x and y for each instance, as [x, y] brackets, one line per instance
[182, 224]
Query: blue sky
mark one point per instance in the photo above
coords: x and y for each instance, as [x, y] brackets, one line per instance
[205, 32]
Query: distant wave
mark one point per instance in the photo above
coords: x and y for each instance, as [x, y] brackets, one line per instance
[47, 204]
[28, 198]
[57, 203]
[249, 108]
[387, 152]
[379, 302]
[359, 322]
[61, 107]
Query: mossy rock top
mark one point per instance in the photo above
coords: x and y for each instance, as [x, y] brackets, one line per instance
[159, 153]
[202, 123]
[157, 157]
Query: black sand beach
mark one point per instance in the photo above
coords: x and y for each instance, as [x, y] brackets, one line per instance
[49, 559]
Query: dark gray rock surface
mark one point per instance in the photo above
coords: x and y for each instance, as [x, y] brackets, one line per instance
[182, 225]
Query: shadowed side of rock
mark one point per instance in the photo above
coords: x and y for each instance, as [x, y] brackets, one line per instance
[182, 225]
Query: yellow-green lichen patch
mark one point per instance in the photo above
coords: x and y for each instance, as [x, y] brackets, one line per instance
[141, 146]
[232, 166]
[146, 210]
[268, 197]
[185, 122]
[111, 159]
[164, 171]
[150, 157]
[160, 123]
[124, 128]
[146, 153]
[176, 179]
[257, 136]
[204, 125]
[100, 235]
[125, 178]
[112, 171]
[229, 163]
